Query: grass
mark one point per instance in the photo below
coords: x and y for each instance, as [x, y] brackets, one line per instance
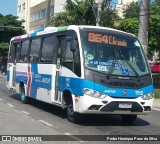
[157, 94]
[156, 83]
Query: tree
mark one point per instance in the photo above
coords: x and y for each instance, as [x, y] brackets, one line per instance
[154, 26]
[131, 10]
[8, 33]
[108, 15]
[130, 21]
[84, 12]
[129, 25]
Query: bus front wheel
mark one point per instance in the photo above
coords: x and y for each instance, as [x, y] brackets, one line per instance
[24, 98]
[128, 118]
[73, 116]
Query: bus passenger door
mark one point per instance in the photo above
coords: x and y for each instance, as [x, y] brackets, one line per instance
[59, 45]
[11, 65]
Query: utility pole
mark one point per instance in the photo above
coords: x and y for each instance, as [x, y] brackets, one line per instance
[47, 16]
[143, 24]
[98, 12]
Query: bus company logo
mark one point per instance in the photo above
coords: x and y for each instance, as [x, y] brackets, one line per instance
[138, 92]
[6, 138]
[124, 93]
[110, 91]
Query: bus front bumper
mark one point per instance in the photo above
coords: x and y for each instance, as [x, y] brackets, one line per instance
[90, 105]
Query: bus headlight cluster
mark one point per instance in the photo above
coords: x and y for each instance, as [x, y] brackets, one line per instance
[148, 96]
[94, 93]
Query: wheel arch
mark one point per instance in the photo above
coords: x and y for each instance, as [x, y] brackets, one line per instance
[67, 98]
[21, 84]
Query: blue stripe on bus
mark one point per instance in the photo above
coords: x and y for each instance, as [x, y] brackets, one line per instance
[21, 77]
[33, 34]
[39, 81]
[77, 86]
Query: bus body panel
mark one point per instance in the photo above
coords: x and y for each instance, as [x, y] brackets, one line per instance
[10, 81]
[37, 79]
[86, 102]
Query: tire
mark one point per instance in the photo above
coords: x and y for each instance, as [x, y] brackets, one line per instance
[128, 118]
[24, 98]
[73, 116]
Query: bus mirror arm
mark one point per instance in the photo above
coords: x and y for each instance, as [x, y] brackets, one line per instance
[73, 61]
[73, 46]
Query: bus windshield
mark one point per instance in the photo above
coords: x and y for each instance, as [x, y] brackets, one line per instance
[110, 51]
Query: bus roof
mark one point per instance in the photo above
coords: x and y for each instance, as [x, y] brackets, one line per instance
[48, 30]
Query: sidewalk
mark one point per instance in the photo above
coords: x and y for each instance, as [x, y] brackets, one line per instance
[156, 103]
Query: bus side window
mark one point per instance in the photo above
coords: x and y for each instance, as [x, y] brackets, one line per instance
[47, 49]
[24, 51]
[34, 52]
[13, 54]
[67, 58]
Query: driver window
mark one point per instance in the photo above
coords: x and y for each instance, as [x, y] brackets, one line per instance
[71, 59]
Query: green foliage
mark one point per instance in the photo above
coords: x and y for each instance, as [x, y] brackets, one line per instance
[131, 10]
[130, 21]
[8, 33]
[84, 13]
[129, 25]
[154, 26]
[108, 17]
[157, 94]
[81, 14]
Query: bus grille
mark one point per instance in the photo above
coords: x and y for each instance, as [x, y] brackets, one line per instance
[126, 85]
[112, 106]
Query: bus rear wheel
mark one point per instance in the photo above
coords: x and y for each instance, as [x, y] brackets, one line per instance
[24, 98]
[73, 116]
[128, 118]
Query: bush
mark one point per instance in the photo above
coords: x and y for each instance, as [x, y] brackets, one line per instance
[157, 94]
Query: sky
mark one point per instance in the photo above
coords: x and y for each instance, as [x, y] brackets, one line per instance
[8, 7]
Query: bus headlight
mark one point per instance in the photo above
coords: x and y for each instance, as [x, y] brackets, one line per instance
[94, 93]
[148, 96]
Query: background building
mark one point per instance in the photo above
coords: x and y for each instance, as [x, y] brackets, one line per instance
[33, 12]
[22, 11]
[121, 6]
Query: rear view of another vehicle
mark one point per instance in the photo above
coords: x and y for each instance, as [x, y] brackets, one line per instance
[156, 68]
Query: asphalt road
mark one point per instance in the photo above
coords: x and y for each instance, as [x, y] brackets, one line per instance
[38, 118]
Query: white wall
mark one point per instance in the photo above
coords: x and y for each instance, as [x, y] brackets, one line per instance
[21, 13]
[59, 6]
[35, 2]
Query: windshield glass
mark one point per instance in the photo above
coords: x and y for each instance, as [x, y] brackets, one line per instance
[104, 50]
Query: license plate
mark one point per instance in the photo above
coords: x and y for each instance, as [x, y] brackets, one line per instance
[125, 105]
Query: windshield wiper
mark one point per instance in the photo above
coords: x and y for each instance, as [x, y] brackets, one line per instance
[133, 69]
[113, 63]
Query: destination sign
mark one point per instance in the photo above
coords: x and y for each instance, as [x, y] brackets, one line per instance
[99, 38]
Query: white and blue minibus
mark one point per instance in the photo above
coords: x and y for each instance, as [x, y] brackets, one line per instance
[85, 69]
